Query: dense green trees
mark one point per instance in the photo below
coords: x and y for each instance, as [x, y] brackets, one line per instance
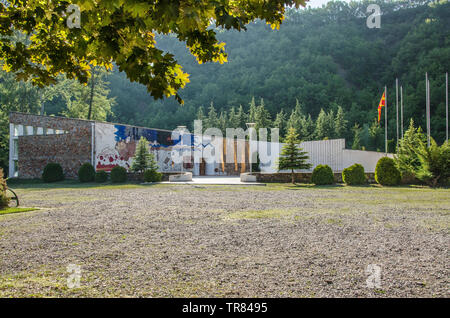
[320, 59]
[324, 58]
[292, 157]
[123, 32]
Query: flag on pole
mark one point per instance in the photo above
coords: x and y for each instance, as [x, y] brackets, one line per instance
[382, 104]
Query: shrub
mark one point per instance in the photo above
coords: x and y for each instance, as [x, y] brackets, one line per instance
[386, 172]
[152, 176]
[434, 163]
[118, 174]
[354, 175]
[52, 173]
[4, 199]
[86, 173]
[101, 176]
[322, 174]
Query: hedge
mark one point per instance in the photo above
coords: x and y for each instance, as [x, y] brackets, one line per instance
[118, 174]
[322, 174]
[86, 173]
[386, 172]
[354, 175]
[53, 172]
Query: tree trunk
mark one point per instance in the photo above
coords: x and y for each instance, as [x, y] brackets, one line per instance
[91, 99]
[293, 176]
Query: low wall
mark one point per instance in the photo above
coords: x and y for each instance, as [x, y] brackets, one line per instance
[300, 177]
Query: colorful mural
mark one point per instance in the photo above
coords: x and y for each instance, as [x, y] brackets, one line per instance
[115, 145]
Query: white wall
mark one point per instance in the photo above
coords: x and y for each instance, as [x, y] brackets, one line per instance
[368, 159]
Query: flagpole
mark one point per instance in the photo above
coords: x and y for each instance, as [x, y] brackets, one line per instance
[396, 105]
[446, 106]
[401, 110]
[429, 112]
[427, 107]
[385, 121]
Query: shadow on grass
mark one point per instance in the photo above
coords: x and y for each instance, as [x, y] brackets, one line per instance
[38, 184]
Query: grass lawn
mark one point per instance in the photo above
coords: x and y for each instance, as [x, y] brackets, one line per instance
[281, 240]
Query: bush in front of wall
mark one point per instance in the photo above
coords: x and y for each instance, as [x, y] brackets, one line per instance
[86, 173]
[152, 176]
[354, 175]
[53, 172]
[118, 174]
[322, 174]
[386, 172]
[101, 176]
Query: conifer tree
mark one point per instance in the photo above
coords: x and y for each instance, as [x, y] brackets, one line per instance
[212, 120]
[407, 159]
[356, 137]
[292, 157]
[142, 158]
[280, 123]
[262, 117]
[252, 111]
[340, 126]
[241, 117]
[307, 127]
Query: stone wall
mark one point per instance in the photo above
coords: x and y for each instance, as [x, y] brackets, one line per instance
[70, 149]
[304, 177]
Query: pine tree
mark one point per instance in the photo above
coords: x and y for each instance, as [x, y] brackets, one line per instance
[252, 111]
[201, 114]
[434, 166]
[241, 117]
[356, 137]
[142, 158]
[407, 159]
[212, 121]
[307, 128]
[223, 122]
[375, 136]
[233, 120]
[262, 117]
[296, 117]
[280, 123]
[292, 157]
[321, 125]
[340, 126]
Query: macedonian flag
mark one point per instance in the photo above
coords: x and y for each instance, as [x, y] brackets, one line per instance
[382, 104]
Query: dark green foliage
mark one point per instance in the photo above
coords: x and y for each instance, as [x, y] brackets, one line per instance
[152, 176]
[101, 176]
[142, 158]
[86, 173]
[322, 175]
[53, 172]
[407, 158]
[292, 157]
[4, 199]
[434, 164]
[356, 137]
[354, 175]
[386, 172]
[118, 174]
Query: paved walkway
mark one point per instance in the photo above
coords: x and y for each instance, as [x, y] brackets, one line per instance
[217, 180]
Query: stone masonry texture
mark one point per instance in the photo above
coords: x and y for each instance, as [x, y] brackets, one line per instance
[70, 150]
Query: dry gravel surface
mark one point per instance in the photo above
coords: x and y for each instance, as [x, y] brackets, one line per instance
[213, 241]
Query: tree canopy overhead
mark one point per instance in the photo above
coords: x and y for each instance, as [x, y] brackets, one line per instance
[123, 32]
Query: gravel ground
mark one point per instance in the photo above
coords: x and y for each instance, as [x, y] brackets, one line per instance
[212, 241]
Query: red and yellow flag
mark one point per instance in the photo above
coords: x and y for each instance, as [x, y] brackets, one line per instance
[382, 104]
